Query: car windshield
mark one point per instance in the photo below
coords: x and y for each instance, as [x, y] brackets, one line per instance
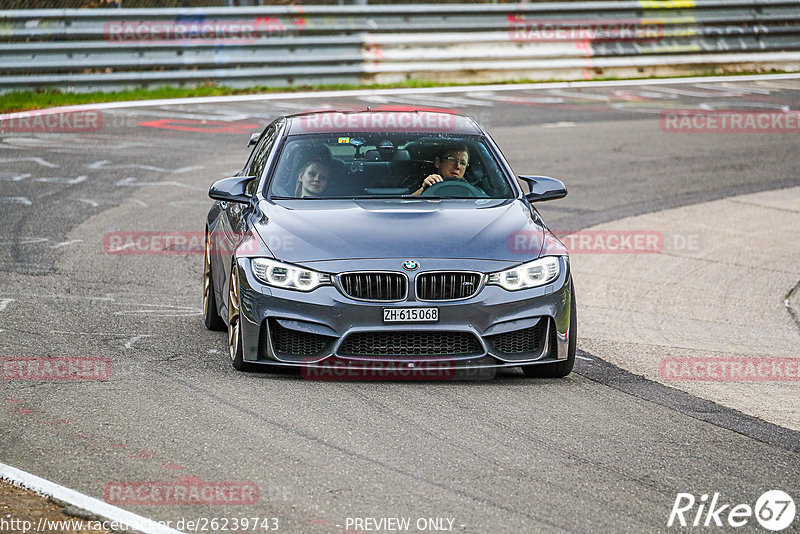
[370, 165]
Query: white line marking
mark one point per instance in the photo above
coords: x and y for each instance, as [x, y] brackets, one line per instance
[530, 99]
[651, 93]
[142, 204]
[712, 93]
[108, 297]
[740, 105]
[107, 334]
[179, 203]
[561, 124]
[70, 181]
[179, 114]
[134, 182]
[626, 106]
[14, 177]
[161, 312]
[84, 502]
[583, 358]
[67, 243]
[134, 339]
[462, 101]
[188, 169]
[40, 161]
[22, 240]
[5, 302]
[28, 265]
[737, 89]
[104, 164]
[420, 100]
[580, 95]
[15, 200]
[413, 91]
[92, 203]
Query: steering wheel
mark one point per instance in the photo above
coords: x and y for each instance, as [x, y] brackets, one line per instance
[453, 188]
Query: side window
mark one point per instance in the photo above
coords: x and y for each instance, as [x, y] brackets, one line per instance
[260, 153]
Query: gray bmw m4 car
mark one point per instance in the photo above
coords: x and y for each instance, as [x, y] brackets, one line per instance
[386, 243]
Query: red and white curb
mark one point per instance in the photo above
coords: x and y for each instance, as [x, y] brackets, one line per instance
[94, 506]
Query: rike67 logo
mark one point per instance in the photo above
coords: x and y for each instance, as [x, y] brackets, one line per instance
[774, 510]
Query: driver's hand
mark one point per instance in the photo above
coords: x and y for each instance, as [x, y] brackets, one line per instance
[431, 179]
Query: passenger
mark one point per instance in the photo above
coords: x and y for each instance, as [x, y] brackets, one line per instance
[451, 164]
[313, 179]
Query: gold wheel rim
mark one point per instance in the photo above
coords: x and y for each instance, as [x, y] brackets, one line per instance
[207, 276]
[233, 313]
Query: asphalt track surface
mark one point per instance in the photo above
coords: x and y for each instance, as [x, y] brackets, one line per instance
[599, 451]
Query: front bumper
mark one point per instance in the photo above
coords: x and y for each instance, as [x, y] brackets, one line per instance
[493, 329]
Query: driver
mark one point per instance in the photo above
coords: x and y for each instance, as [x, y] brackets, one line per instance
[450, 165]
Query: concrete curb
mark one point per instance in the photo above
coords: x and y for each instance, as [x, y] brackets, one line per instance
[120, 517]
[714, 292]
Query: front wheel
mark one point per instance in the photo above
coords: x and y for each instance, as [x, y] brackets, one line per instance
[562, 368]
[234, 322]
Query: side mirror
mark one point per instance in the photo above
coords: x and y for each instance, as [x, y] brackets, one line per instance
[544, 188]
[231, 189]
[253, 139]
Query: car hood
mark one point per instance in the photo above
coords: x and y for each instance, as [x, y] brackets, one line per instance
[313, 230]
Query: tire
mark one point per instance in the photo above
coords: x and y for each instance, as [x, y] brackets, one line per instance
[211, 316]
[234, 326]
[563, 368]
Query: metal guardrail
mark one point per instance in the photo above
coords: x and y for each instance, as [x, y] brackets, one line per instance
[88, 49]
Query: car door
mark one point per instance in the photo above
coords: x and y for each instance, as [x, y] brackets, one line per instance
[232, 222]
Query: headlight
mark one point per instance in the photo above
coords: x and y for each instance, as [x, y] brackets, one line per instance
[532, 274]
[275, 273]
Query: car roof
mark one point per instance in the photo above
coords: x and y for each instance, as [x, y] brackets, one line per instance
[381, 120]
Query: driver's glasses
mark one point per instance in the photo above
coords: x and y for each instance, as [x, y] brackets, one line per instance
[455, 161]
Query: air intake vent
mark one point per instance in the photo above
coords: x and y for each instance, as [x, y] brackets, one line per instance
[527, 340]
[296, 343]
[377, 286]
[410, 344]
[447, 285]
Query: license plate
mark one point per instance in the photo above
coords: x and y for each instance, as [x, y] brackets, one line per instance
[410, 315]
